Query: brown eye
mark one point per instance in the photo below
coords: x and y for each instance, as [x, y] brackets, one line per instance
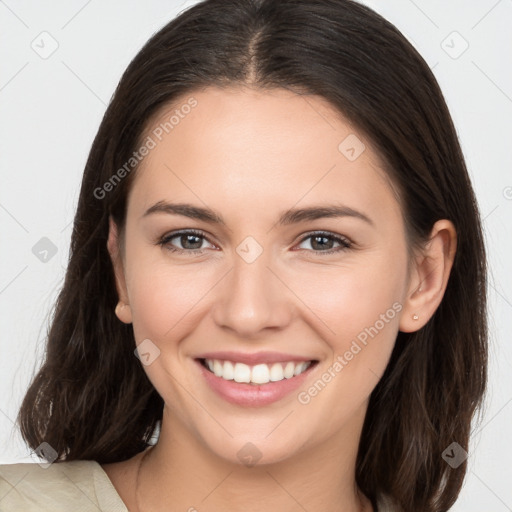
[191, 242]
[322, 243]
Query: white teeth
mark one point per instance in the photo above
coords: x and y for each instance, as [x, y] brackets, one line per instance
[217, 368]
[299, 368]
[242, 372]
[276, 372]
[288, 370]
[228, 370]
[258, 374]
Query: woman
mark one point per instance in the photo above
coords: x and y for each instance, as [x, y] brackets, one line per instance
[277, 271]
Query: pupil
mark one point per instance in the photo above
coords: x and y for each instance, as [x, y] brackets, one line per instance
[320, 237]
[188, 238]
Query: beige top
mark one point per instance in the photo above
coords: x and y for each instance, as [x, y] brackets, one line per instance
[33, 487]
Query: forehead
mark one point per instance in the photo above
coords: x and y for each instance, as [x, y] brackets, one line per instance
[259, 147]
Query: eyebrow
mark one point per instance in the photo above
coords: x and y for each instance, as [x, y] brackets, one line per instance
[292, 216]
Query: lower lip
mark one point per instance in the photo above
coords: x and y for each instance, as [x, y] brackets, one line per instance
[250, 395]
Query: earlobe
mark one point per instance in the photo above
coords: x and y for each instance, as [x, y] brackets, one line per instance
[431, 274]
[122, 310]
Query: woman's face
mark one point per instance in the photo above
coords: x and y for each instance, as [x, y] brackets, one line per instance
[255, 283]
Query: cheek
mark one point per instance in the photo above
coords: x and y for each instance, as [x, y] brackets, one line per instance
[162, 293]
[164, 299]
[166, 304]
[351, 296]
[359, 307]
[363, 314]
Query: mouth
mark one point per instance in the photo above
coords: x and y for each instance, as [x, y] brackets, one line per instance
[255, 379]
[258, 374]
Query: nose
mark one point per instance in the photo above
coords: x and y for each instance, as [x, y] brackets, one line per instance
[252, 297]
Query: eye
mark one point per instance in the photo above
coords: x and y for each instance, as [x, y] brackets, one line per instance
[324, 240]
[191, 240]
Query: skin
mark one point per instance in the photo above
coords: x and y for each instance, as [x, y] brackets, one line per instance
[249, 155]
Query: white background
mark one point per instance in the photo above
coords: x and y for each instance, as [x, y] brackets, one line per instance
[51, 108]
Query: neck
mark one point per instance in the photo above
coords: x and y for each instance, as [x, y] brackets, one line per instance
[180, 473]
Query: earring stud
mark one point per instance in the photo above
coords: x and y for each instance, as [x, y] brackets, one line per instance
[119, 307]
[415, 316]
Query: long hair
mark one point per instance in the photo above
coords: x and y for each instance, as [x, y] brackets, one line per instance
[91, 398]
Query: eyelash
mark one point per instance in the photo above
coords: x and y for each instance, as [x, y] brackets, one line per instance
[164, 242]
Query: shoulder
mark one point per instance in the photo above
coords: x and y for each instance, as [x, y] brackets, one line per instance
[40, 487]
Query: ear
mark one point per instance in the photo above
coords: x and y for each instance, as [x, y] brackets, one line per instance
[122, 310]
[429, 277]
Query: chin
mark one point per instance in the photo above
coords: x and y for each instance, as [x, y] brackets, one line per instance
[255, 450]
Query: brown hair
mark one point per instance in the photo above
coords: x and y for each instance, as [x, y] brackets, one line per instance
[91, 398]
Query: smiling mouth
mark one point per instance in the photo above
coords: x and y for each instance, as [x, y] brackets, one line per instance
[256, 374]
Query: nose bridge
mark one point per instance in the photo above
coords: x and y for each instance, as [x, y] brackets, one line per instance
[253, 298]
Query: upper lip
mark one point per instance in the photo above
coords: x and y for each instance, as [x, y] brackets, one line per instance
[254, 358]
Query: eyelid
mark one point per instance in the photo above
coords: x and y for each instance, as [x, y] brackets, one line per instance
[330, 234]
[345, 242]
[187, 231]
